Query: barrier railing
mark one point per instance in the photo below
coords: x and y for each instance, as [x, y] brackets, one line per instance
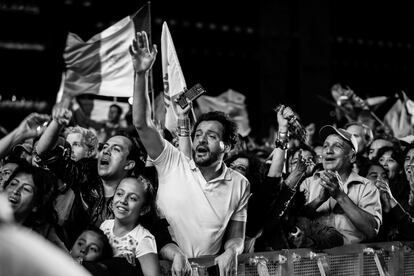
[383, 259]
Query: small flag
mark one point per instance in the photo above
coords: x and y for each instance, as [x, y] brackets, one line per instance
[102, 65]
[173, 78]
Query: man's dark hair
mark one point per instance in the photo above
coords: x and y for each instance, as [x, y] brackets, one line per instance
[117, 107]
[230, 135]
[135, 152]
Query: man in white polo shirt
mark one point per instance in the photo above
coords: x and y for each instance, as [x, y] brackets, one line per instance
[204, 201]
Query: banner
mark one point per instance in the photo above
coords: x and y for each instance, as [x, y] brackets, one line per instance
[102, 65]
[230, 102]
[172, 75]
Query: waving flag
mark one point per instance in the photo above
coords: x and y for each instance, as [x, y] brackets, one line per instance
[230, 102]
[102, 65]
[173, 77]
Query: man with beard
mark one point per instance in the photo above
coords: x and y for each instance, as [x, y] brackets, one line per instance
[204, 201]
[94, 182]
[337, 196]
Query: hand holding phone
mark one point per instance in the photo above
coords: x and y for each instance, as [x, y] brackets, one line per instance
[190, 95]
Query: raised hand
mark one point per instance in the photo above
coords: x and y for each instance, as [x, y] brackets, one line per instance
[61, 115]
[283, 115]
[142, 57]
[182, 113]
[33, 125]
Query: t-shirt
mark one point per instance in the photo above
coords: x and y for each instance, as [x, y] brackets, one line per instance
[138, 242]
[197, 210]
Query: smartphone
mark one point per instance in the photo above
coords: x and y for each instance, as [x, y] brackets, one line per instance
[190, 95]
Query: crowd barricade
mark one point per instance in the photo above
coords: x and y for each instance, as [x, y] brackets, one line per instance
[383, 259]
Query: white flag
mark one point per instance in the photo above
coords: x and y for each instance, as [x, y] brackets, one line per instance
[173, 78]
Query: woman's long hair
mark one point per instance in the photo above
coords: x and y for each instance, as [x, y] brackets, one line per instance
[44, 196]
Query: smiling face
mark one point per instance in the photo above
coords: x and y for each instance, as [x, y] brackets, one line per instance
[390, 164]
[337, 154]
[208, 147]
[78, 146]
[113, 163]
[88, 247]
[129, 200]
[21, 192]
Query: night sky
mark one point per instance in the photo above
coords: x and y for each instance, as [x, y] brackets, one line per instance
[271, 51]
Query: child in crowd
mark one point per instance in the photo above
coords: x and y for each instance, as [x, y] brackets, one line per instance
[91, 245]
[133, 207]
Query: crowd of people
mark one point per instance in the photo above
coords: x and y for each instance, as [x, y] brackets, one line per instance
[118, 204]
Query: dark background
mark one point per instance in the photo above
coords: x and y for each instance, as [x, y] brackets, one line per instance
[271, 51]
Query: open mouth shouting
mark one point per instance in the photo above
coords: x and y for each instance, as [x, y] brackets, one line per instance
[201, 151]
[104, 161]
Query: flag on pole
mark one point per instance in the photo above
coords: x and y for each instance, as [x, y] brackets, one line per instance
[400, 118]
[230, 102]
[102, 65]
[172, 75]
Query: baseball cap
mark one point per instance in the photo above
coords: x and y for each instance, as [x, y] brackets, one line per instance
[345, 135]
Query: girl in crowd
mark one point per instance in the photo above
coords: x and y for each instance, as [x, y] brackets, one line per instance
[31, 191]
[133, 207]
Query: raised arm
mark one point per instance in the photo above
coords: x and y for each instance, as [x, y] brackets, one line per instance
[30, 127]
[143, 58]
[184, 129]
[47, 142]
[278, 154]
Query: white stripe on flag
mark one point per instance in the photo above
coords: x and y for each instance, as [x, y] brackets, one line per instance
[173, 77]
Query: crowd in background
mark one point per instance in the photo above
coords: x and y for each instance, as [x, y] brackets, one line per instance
[117, 196]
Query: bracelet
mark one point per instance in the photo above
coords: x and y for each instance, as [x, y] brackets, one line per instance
[282, 135]
[183, 123]
[282, 144]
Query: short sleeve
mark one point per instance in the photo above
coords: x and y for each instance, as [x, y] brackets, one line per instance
[168, 160]
[146, 245]
[241, 212]
[370, 202]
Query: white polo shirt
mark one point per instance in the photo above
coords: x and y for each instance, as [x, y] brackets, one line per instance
[198, 211]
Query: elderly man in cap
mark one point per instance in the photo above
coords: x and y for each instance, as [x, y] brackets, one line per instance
[339, 197]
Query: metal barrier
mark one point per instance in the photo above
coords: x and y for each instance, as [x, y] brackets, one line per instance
[383, 259]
